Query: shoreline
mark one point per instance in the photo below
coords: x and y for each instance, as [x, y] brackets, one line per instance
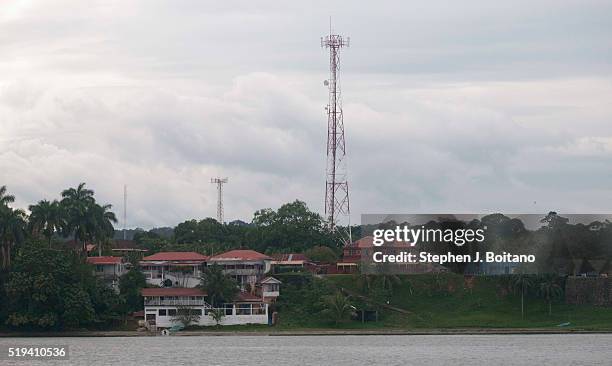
[307, 332]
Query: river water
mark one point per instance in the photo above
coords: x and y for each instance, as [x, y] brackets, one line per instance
[455, 350]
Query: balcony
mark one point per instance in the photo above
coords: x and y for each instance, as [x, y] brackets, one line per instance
[175, 302]
[243, 272]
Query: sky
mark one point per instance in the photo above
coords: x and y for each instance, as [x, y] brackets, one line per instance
[449, 107]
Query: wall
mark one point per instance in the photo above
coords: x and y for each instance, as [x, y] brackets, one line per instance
[207, 320]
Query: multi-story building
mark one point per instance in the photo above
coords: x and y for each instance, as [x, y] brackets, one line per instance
[247, 267]
[173, 269]
[109, 269]
[162, 305]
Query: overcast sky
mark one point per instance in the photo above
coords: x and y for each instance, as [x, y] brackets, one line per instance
[471, 106]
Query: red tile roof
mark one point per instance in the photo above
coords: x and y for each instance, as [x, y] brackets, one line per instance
[240, 255]
[290, 257]
[127, 245]
[104, 260]
[245, 296]
[172, 291]
[176, 256]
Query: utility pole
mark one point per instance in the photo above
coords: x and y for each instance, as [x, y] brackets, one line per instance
[124, 211]
[219, 182]
[336, 186]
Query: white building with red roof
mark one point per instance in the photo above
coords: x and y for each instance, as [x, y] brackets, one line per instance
[108, 268]
[246, 266]
[162, 305]
[173, 269]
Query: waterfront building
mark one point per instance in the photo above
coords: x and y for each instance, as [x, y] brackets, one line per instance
[163, 305]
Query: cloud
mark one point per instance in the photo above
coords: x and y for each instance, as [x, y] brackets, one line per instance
[447, 109]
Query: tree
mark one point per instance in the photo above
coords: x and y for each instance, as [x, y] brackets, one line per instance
[130, 285]
[219, 287]
[293, 226]
[217, 314]
[46, 218]
[321, 254]
[186, 315]
[76, 306]
[12, 232]
[50, 289]
[522, 283]
[5, 198]
[101, 225]
[338, 308]
[78, 202]
[549, 289]
[85, 219]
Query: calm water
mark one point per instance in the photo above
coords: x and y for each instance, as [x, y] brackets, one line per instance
[455, 350]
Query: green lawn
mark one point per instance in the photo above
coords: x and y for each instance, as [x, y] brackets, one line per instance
[447, 304]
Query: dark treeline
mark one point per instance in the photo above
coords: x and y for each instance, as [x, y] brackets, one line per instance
[291, 228]
[45, 284]
[559, 247]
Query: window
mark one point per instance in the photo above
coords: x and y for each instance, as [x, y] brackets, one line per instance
[171, 312]
[162, 312]
[99, 268]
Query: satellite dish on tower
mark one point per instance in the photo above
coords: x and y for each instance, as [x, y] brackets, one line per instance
[326, 82]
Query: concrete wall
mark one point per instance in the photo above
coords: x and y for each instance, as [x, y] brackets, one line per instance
[588, 290]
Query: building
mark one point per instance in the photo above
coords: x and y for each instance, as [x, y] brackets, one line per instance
[161, 306]
[128, 247]
[269, 288]
[109, 269]
[173, 269]
[290, 262]
[247, 267]
[360, 253]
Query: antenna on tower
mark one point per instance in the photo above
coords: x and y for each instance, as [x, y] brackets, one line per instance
[124, 211]
[336, 186]
[219, 182]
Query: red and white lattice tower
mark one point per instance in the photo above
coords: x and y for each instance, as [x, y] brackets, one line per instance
[337, 208]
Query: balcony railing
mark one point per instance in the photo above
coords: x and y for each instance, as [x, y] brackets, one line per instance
[243, 272]
[176, 302]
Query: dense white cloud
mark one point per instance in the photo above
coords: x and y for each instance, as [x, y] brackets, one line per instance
[461, 108]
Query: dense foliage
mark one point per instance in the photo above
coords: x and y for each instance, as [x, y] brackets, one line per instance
[54, 289]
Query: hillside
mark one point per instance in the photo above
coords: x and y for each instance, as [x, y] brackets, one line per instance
[443, 301]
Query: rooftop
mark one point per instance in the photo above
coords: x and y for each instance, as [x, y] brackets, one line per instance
[176, 256]
[290, 257]
[104, 260]
[127, 245]
[245, 296]
[240, 255]
[172, 291]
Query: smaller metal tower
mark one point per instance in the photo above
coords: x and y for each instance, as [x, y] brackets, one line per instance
[124, 211]
[219, 182]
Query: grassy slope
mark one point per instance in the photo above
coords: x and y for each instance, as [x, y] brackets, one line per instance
[484, 306]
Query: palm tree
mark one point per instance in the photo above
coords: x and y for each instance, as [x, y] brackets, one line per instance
[522, 283]
[46, 218]
[218, 286]
[339, 307]
[100, 225]
[77, 203]
[4, 198]
[12, 232]
[550, 289]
